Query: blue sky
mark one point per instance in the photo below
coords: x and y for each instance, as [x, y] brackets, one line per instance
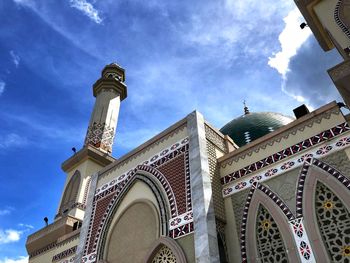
[178, 55]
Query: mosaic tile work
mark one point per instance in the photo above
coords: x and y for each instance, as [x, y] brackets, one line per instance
[100, 136]
[292, 150]
[294, 162]
[301, 240]
[158, 158]
[91, 258]
[181, 231]
[181, 220]
[170, 168]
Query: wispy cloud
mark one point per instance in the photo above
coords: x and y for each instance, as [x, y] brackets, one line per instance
[28, 3]
[88, 9]
[6, 211]
[20, 259]
[9, 235]
[12, 140]
[291, 39]
[15, 58]
[2, 86]
[26, 226]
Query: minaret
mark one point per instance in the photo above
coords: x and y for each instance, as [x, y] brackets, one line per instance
[109, 91]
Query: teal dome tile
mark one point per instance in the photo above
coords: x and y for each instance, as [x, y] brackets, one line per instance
[252, 126]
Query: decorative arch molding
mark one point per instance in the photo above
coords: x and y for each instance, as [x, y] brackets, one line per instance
[262, 195]
[169, 243]
[311, 174]
[141, 169]
[105, 224]
[330, 176]
[69, 199]
[341, 17]
[150, 171]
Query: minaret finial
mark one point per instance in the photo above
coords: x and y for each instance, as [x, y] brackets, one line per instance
[246, 110]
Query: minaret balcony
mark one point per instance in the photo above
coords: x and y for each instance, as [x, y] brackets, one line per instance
[48, 236]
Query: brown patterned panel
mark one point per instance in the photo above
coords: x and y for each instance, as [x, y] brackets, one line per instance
[101, 207]
[219, 206]
[174, 171]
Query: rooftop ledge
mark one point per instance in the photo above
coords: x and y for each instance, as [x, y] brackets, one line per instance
[88, 152]
[50, 233]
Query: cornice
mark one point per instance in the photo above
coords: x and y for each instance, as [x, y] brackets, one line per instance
[87, 152]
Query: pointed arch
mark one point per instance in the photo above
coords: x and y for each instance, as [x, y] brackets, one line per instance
[70, 193]
[261, 197]
[151, 178]
[342, 17]
[313, 179]
[168, 244]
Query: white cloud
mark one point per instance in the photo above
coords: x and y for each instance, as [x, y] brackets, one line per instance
[12, 140]
[20, 259]
[88, 9]
[291, 39]
[28, 3]
[2, 86]
[9, 236]
[15, 58]
[26, 226]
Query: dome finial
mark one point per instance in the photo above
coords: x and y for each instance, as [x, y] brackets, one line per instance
[246, 110]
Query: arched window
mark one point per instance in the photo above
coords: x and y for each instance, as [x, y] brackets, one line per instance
[270, 244]
[164, 255]
[71, 193]
[333, 220]
[265, 231]
[324, 199]
[166, 250]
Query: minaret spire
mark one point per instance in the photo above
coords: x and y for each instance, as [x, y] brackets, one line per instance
[246, 110]
[109, 91]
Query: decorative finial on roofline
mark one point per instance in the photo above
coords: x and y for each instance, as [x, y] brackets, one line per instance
[246, 110]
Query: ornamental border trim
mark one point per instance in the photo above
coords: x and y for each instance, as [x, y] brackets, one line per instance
[287, 152]
[302, 178]
[280, 168]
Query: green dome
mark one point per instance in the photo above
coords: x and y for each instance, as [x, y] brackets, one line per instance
[252, 126]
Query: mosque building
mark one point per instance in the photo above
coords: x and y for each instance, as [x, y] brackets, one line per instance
[264, 188]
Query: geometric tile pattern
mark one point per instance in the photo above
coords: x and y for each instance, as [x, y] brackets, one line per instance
[300, 188]
[301, 240]
[154, 161]
[65, 253]
[294, 149]
[269, 194]
[181, 231]
[295, 161]
[170, 168]
[180, 220]
[100, 136]
[91, 258]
